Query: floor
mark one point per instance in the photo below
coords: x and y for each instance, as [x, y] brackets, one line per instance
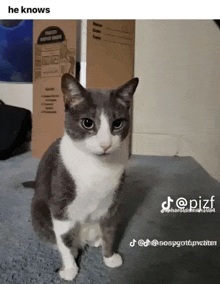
[150, 182]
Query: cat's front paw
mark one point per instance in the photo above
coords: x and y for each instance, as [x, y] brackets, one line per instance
[114, 261]
[68, 273]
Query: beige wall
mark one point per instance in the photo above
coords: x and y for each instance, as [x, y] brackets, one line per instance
[177, 104]
[17, 94]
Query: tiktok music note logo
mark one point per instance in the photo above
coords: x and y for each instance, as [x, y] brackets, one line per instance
[132, 244]
[166, 204]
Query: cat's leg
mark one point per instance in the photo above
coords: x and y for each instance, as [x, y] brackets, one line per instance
[69, 269]
[111, 259]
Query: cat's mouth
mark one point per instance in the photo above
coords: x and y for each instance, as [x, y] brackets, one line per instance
[103, 154]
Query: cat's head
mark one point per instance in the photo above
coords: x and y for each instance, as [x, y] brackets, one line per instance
[97, 120]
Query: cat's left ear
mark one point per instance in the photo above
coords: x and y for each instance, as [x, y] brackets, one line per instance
[72, 90]
[126, 91]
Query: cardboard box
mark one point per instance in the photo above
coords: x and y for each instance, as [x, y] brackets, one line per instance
[54, 55]
[110, 56]
[109, 64]
[110, 53]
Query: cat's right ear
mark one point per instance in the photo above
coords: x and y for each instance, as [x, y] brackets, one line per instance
[72, 91]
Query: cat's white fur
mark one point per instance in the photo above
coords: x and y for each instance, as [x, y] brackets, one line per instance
[69, 269]
[96, 178]
[104, 138]
[114, 261]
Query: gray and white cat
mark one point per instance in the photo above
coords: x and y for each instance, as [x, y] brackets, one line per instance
[80, 176]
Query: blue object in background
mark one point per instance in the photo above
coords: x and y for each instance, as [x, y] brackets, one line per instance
[16, 45]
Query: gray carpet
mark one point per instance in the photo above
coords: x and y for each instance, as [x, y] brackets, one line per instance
[150, 180]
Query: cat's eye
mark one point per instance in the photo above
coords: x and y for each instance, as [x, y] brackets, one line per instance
[118, 123]
[87, 123]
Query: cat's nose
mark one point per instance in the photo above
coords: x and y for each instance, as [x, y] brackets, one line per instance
[105, 147]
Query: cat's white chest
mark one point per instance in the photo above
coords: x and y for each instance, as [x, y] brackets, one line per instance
[96, 180]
